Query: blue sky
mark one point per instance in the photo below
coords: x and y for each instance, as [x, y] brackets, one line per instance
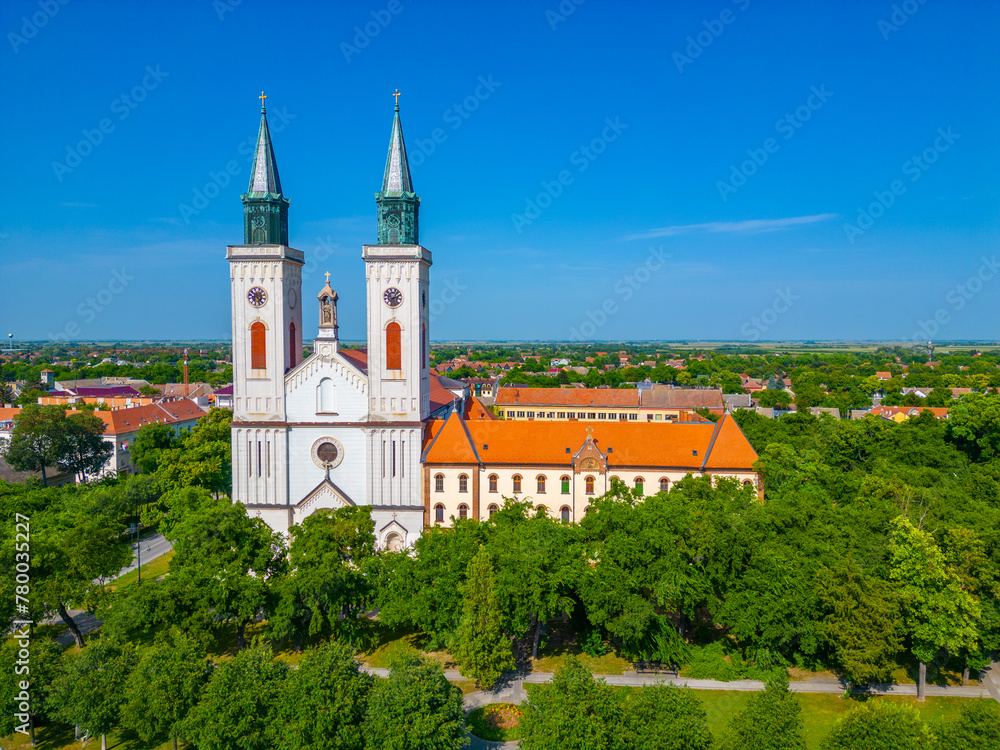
[681, 170]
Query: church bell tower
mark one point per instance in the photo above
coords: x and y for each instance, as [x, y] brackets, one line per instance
[398, 274]
[266, 285]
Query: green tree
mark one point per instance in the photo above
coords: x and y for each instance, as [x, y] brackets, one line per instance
[771, 720]
[976, 727]
[151, 441]
[777, 399]
[37, 441]
[39, 674]
[415, 708]
[664, 717]
[165, 687]
[573, 712]
[939, 611]
[90, 692]
[325, 701]
[204, 458]
[227, 562]
[239, 708]
[326, 588]
[85, 452]
[880, 725]
[483, 652]
[974, 426]
[6, 394]
[863, 623]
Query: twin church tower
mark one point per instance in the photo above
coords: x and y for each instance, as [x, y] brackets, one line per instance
[341, 426]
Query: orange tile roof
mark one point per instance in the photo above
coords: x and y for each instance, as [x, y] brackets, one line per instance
[121, 421]
[678, 445]
[910, 411]
[730, 449]
[474, 409]
[661, 397]
[611, 397]
[439, 395]
[357, 357]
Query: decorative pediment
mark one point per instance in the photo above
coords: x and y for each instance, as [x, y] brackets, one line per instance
[590, 457]
[325, 495]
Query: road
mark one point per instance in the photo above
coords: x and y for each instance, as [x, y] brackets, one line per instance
[153, 546]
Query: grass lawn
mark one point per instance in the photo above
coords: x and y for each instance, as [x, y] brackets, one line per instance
[59, 737]
[497, 722]
[561, 643]
[819, 711]
[154, 569]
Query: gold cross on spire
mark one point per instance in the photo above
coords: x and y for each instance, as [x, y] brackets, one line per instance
[262, 97]
[397, 95]
[327, 277]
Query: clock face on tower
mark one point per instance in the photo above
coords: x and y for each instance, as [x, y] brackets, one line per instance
[257, 297]
[393, 220]
[393, 297]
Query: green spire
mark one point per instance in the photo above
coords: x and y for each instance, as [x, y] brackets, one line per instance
[265, 209]
[398, 205]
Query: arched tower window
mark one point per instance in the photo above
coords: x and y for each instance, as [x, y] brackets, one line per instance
[463, 483]
[540, 483]
[493, 482]
[393, 347]
[439, 513]
[258, 346]
[439, 482]
[664, 484]
[589, 484]
[291, 345]
[517, 483]
[564, 513]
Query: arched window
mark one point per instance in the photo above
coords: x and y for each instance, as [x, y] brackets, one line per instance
[258, 346]
[291, 345]
[664, 484]
[589, 481]
[394, 542]
[439, 482]
[463, 511]
[493, 509]
[517, 483]
[541, 484]
[540, 509]
[463, 483]
[747, 483]
[393, 347]
[564, 482]
[493, 482]
[564, 513]
[439, 513]
[326, 402]
[639, 481]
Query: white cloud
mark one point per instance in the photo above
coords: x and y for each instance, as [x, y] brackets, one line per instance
[750, 225]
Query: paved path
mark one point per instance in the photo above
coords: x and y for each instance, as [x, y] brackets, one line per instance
[153, 546]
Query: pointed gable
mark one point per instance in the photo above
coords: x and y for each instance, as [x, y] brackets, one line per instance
[452, 444]
[730, 448]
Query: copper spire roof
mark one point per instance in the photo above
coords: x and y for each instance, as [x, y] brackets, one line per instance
[397, 168]
[264, 175]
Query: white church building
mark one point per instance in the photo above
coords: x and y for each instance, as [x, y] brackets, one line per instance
[340, 427]
[377, 428]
